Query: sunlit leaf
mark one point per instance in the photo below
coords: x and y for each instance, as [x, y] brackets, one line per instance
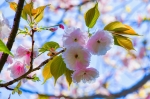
[68, 75]
[46, 71]
[4, 49]
[28, 9]
[91, 16]
[19, 92]
[38, 13]
[115, 26]
[43, 96]
[58, 67]
[123, 41]
[48, 45]
[13, 5]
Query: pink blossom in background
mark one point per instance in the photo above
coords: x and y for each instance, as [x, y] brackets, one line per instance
[100, 43]
[85, 75]
[4, 27]
[76, 54]
[9, 59]
[73, 35]
[17, 69]
[26, 53]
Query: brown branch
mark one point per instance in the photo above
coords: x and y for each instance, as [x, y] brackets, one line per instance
[13, 33]
[32, 50]
[27, 73]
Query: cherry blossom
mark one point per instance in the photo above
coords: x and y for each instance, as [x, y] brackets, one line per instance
[9, 59]
[76, 54]
[61, 26]
[73, 35]
[4, 27]
[17, 69]
[26, 53]
[85, 75]
[100, 43]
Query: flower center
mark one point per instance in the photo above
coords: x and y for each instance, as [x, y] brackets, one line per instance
[85, 73]
[75, 39]
[98, 41]
[76, 56]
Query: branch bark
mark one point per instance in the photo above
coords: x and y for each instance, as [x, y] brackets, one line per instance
[13, 33]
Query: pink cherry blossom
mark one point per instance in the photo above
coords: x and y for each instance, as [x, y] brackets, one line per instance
[9, 59]
[17, 69]
[76, 54]
[85, 75]
[53, 29]
[4, 27]
[73, 35]
[100, 43]
[26, 53]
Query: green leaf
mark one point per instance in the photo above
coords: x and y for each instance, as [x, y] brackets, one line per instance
[13, 5]
[58, 67]
[68, 75]
[123, 41]
[91, 16]
[115, 26]
[48, 45]
[4, 49]
[18, 85]
[46, 71]
[38, 13]
[19, 92]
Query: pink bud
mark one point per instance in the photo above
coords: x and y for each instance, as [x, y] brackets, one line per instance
[53, 29]
[61, 26]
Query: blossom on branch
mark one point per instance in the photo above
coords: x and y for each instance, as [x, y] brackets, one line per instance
[4, 27]
[73, 35]
[76, 54]
[100, 43]
[17, 69]
[26, 53]
[85, 75]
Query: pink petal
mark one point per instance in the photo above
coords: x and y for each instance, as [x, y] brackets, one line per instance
[21, 51]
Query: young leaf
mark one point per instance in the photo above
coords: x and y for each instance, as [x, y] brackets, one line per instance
[46, 71]
[91, 16]
[48, 45]
[116, 26]
[123, 41]
[13, 5]
[68, 75]
[58, 67]
[19, 92]
[4, 49]
[28, 8]
[38, 13]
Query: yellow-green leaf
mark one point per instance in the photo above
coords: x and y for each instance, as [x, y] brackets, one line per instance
[91, 16]
[68, 75]
[123, 41]
[4, 49]
[13, 5]
[116, 26]
[130, 31]
[38, 13]
[58, 67]
[46, 71]
[28, 8]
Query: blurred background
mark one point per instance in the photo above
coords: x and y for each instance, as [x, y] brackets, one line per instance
[123, 74]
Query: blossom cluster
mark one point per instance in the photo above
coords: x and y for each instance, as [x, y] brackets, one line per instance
[79, 48]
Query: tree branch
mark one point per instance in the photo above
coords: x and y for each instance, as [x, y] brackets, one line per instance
[27, 73]
[111, 96]
[13, 33]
